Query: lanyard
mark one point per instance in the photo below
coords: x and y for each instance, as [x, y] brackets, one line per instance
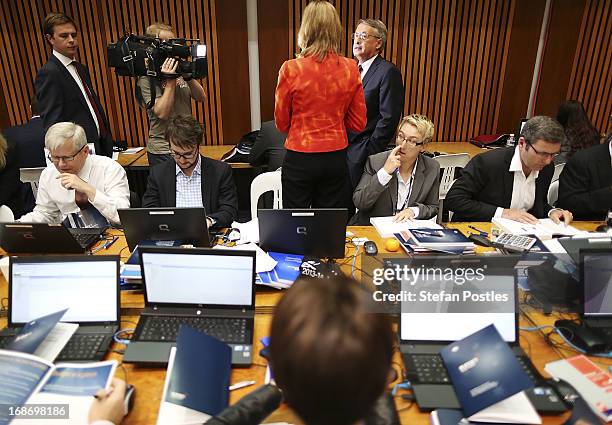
[398, 176]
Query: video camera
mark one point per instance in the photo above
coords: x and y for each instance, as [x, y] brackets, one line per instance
[137, 56]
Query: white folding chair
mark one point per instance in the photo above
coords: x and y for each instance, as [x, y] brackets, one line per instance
[448, 164]
[6, 214]
[266, 182]
[557, 172]
[31, 175]
[553, 193]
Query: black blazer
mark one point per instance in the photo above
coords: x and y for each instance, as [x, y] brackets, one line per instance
[218, 189]
[60, 99]
[486, 183]
[585, 184]
[269, 147]
[10, 185]
[30, 140]
[384, 96]
[374, 200]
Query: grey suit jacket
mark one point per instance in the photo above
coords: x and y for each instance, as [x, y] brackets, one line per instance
[375, 200]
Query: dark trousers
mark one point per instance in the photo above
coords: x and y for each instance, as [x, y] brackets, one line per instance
[158, 158]
[317, 180]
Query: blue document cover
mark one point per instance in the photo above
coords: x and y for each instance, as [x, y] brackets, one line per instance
[483, 370]
[201, 372]
[435, 237]
[35, 332]
[286, 271]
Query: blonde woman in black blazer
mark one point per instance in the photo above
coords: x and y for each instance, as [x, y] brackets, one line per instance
[380, 193]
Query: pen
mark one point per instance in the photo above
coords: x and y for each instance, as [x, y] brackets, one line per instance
[241, 384]
[482, 232]
[109, 243]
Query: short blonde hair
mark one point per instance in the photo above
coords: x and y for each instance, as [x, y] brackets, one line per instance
[155, 28]
[423, 125]
[321, 31]
[62, 132]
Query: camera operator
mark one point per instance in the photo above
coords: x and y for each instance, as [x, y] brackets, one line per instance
[172, 98]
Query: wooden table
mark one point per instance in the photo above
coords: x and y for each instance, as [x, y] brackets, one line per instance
[127, 159]
[454, 147]
[149, 381]
[214, 152]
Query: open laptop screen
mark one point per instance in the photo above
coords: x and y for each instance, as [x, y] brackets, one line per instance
[597, 281]
[444, 309]
[87, 287]
[198, 277]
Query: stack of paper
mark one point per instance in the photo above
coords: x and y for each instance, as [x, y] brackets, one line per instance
[544, 229]
[386, 227]
[450, 241]
[285, 272]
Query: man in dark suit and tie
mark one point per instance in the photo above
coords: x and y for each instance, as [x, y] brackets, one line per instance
[585, 185]
[30, 139]
[384, 96]
[192, 180]
[511, 182]
[64, 89]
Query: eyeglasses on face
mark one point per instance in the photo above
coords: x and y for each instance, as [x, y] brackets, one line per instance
[543, 154]
[410, 141]
[187, 156]
[363, 36]
[56, 159]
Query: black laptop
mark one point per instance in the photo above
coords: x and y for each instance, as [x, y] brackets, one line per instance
[596, 278]
[177, 226]
[428, 326]
[573, 246]
[211, 290]
[315, 232]
[88, 286]
[33, 238]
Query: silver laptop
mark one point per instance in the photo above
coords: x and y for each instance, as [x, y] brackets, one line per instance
[211, 290]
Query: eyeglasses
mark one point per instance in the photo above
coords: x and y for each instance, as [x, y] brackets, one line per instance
[186, 156]
[543, 154]
[363, 36]
[57, 159]
[411, 141]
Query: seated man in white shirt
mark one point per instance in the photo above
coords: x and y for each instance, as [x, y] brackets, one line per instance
[76, 180]
[511, 182]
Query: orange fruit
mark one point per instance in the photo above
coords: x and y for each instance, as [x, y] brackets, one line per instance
[392, 245]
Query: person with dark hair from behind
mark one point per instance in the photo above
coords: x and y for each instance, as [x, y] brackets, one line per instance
[579, 132]
[585, 184]
[30, 139]
[269, 147]
[64, 88]
[330, 355]
[10, 185]
[402, 182]
[192, 180]
[511, 182]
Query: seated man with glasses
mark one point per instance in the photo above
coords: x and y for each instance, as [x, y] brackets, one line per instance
[192, 180]
[400, 182]
[77, 180]
[511, 182]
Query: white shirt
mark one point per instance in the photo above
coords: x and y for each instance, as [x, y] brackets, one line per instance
[67, 62]
[403, 188]
[610, 147]
[189, 188]
[523, 189]
[366, 65]
[54, 202]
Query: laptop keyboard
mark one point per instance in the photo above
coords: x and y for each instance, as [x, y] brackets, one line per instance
[430, 369]
[82, 347]
[162, 328]
[86, 239]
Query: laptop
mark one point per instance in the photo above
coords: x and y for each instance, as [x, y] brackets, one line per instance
[596, 278]
[315, 232]
[33, 238]
[425, 327]
[175, 225]
[573, 246]
[88, 286]
[208, 289]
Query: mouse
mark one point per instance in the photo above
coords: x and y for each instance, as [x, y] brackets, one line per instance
[128, 399]
[581, 336]
[565, 390]
[370, 248]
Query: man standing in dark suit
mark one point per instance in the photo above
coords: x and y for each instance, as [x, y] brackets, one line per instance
[30, 139]
[585, 184]
[192, 180]
[64, 89]
[511, 182]
[384, 96]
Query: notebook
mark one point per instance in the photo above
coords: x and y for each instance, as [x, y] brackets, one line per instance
[33, 238]
[596, 279]
[210, 290]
